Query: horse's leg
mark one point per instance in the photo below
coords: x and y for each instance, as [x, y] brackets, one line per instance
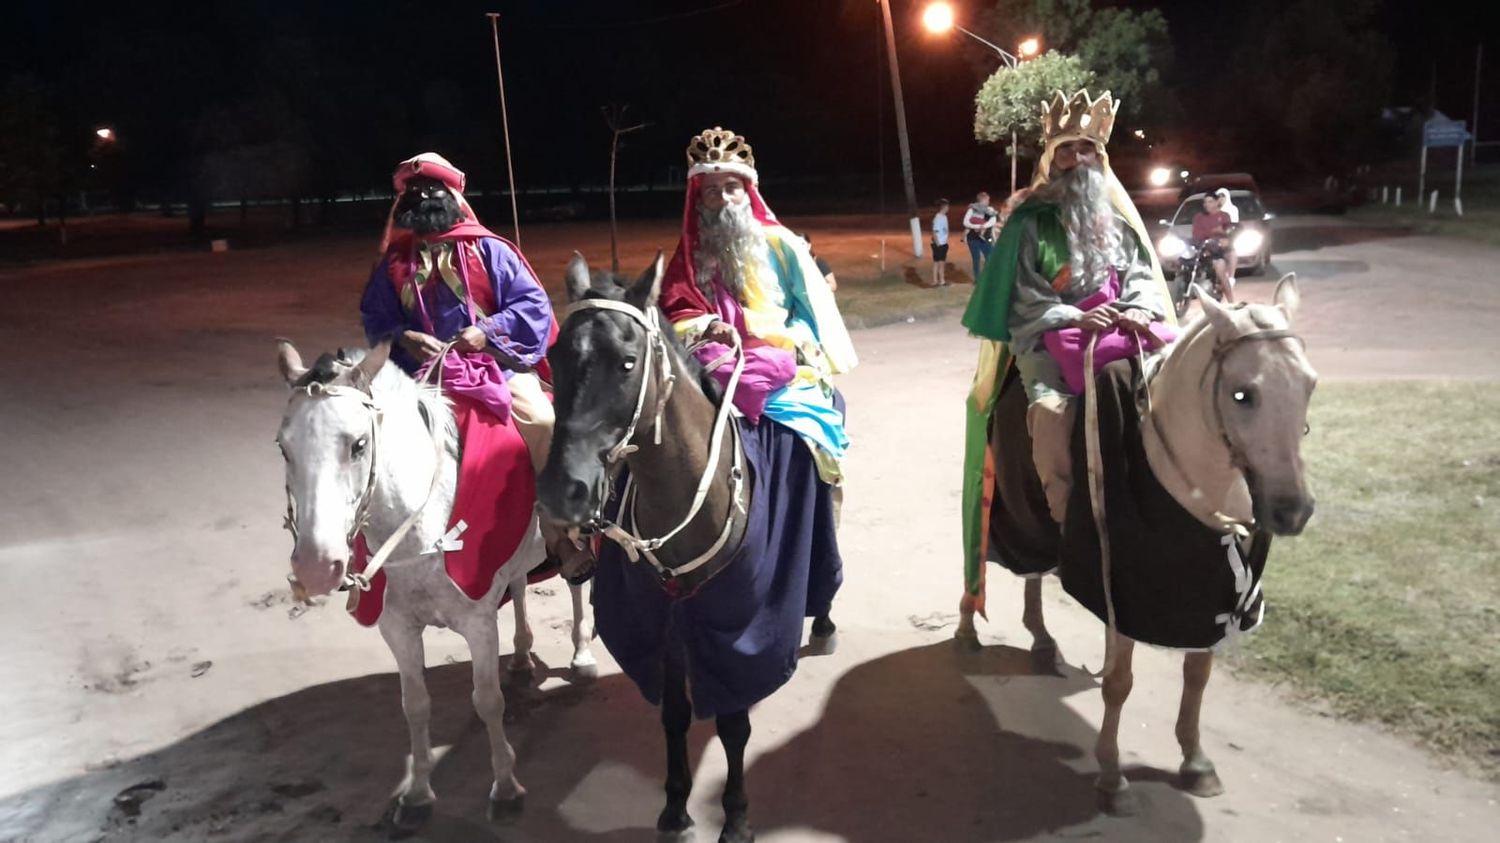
[1031, 618]
[483, 636]
[1114, 792]
[1198, 775]
[584, 665]
[734, 733]
[676, 716]
[521, 665]
[404, 637]
[825, 638]
[966, 635]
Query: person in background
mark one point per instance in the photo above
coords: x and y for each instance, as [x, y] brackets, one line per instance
[979, 230]
[823, 266]
[940, 244]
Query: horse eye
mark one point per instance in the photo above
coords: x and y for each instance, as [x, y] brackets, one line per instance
[1244, 397]
[359, 447]
[629, 364]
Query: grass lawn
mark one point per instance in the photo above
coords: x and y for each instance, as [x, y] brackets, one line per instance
[1388, 607]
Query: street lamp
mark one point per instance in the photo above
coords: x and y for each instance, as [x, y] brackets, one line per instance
[938, 18]
[105, 134]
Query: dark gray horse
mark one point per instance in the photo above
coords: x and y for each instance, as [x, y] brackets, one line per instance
[744, 543]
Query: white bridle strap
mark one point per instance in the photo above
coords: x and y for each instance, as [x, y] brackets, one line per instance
[656, 347]
[361, 579]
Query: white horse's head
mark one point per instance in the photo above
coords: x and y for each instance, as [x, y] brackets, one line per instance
[327, 438]
[1261, 383]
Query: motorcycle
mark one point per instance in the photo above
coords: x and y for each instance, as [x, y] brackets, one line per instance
[1195, 266]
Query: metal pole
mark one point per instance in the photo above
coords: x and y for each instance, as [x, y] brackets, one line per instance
[1458, 183]
[911, 190]
[510, 171]
[1013, 163]
[1011, 61]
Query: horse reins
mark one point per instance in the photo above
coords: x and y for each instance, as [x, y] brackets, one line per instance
[658, 362]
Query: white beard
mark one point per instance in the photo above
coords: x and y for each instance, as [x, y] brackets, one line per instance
[730, 240]
[1094, 238]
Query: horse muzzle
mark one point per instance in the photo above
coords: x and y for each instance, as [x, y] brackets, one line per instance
[1286, 515]
[315, 577]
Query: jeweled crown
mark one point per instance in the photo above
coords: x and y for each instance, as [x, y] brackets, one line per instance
[1079, 118]
[719, 146]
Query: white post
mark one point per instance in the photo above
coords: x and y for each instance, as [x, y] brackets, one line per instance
[1398, 196]
[1432, 202]
[1458, 182]
[1385, 194]
[1422, 173]
[882, 256]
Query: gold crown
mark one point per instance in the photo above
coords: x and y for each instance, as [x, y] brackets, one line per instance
[719, 146]
[1079, 118]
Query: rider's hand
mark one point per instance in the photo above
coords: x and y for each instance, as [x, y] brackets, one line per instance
[422, 346]
[1136, 320]
[1100, 318]
[718, 331]
[470, 339]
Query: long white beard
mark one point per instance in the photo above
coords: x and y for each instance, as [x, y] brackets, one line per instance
[1094, 238]
[730, 240]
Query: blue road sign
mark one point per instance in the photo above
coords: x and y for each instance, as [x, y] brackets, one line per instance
[1443, 133]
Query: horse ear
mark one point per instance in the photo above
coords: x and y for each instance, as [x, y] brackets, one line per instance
[374, 361]
[1216, 313]
[576, 279]
[645, 291]
[1288, 296]
[289, 361]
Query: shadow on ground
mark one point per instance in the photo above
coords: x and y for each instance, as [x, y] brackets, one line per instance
[924, 744]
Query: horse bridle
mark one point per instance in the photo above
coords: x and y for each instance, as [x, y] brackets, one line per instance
[658, 362]
[361, 579]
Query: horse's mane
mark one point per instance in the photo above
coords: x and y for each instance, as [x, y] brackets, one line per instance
[607, 285]
[390, 384]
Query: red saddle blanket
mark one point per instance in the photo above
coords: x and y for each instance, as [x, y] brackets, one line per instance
[496, 499]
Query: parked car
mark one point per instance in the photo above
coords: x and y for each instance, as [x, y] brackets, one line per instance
[1252, 237]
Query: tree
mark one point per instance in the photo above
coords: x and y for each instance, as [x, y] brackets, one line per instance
[31, 159]
[1010, 101]
[1314, 82]
[1126, 49]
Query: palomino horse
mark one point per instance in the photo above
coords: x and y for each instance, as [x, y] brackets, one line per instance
[1206, 468]
[371, 452]
[746, 545]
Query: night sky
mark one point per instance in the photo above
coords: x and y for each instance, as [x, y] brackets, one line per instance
[373, 82]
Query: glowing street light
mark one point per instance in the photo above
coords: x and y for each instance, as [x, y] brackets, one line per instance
[105, 133]
[1030, 47]
[938, 18]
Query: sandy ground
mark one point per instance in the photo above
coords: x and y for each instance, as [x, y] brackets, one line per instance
[148, 639]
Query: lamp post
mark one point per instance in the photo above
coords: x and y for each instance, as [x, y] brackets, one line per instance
[911, 190]
[510, 171]
[939, 19]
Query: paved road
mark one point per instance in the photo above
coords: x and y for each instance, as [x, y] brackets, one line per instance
[139, 540]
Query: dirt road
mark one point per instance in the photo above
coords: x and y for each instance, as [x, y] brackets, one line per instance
[148, 639]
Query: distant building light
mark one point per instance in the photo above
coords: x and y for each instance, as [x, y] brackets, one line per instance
[105, 133]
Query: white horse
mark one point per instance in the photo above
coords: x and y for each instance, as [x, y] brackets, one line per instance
[1222, 435]
[366, 449]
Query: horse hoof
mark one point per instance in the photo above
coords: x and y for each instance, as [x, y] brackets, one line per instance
[505, 811]
[585, 671]
[967, 642]
[520, 675]
[1203, 783]
[681, 833]
[825, 645]
[1120, 803]
[410, 817]
[738, 833]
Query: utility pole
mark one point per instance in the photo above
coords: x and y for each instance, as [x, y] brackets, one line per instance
[911, 191]
[1474, 114]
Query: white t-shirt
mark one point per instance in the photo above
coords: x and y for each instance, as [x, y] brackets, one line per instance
[940, 229]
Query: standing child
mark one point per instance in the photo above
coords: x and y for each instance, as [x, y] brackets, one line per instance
[940, 245]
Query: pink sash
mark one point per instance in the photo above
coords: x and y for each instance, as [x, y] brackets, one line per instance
[1067, 345]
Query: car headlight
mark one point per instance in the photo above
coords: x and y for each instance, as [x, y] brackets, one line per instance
[1160, 176]
[1170, 246]
[1248, 242]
